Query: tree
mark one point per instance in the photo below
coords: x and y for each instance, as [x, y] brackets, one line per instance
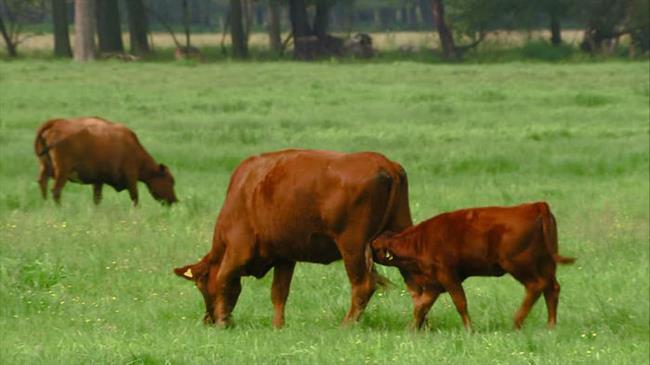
[607, 20]
[138, 27]
[312, 42]
[60, 23]
[239, 39]
[444, 33]
[274, 26]
[321, 18]
[472, 19]
[109, 30]
[638, 22]
[186, 24]
[84, 24]
[15, 12]
[555, 10]
[9, 42]
[299, 19]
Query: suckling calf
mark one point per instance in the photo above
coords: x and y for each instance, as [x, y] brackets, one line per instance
[436, 255]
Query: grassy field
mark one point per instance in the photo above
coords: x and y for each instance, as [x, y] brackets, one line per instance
[86, 284]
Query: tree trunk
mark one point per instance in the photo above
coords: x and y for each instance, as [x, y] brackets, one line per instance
[11, 47]
[425, 12]
[274, 26]
[299, 19]
[138, 27]
[446, 38]
[556, 32]
[61, 36]
[322, 17]
[109, 29]
[84, 24]
[239, 43]
[186, 24]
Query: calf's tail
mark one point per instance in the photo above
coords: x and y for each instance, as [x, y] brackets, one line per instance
[550, 237]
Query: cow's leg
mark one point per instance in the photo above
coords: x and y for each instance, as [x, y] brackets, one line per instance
[228, 289]
[43, 177]
[228, 284]
[362, 279]
[421, 305]
[534, 289]
[133, 191]
[552, 296]
[97, 193]
[282, 274]
[455, 289]
[59, 182]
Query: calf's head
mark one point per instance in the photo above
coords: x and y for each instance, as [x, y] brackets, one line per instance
[204, 277]
[381, 249]
[161, 185]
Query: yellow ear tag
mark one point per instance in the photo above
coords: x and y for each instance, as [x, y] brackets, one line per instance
[188, 273]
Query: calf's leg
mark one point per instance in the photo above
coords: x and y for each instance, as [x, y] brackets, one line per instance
[552, 296]
[422, 303]
[282, 274]
[534, 289]
[455, 289]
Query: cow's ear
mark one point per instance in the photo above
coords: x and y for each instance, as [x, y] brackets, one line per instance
[185, 272]
[192, 272]
[162, 168]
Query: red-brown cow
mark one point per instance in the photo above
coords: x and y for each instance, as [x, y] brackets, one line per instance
[300, 205]
[438, 254]
[95, 151]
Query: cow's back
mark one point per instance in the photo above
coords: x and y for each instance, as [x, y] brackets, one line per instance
[299, 199]
[99, 150]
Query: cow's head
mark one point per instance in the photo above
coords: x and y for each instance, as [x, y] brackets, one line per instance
[161, 185]
[381, 249]
[204, 277]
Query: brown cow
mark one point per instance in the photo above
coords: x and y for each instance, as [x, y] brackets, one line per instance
[95, 151]
[300, 205]
[438, 254]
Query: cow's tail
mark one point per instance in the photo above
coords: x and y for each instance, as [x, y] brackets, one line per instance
[40, 145]
[395, 182]
[550, 237]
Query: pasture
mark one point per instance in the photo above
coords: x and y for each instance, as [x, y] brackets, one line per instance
[93, 284]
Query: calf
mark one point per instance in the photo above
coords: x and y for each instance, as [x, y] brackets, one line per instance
[438, 254]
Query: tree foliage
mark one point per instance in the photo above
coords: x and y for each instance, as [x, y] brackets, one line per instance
[13, 14]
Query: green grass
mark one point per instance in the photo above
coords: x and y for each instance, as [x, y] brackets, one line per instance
[86, 284]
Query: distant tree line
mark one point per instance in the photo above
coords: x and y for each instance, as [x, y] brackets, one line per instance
[315, 26]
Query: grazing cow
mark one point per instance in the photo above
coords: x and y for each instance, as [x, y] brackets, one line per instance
[300, 205]
[438, 254]
[95, 151]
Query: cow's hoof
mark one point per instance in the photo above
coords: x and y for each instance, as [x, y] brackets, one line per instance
[225, 323]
